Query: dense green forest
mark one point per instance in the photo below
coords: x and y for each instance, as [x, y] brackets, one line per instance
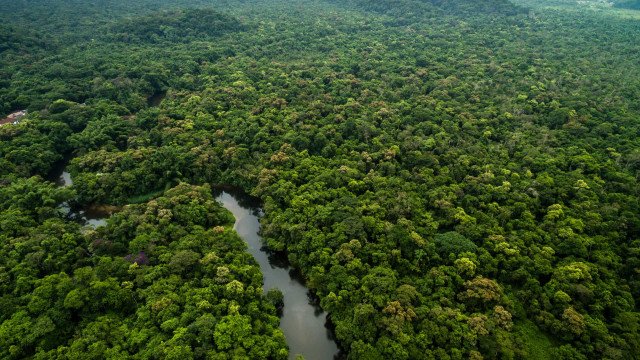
[453, 179]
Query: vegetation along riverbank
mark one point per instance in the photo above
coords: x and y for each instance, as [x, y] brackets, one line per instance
[450, 179]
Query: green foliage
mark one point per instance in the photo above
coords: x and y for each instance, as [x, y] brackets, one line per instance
[538, 345]
[275, 297]
[119, 283]
[454, 179]
[176, 26]
[453, 243]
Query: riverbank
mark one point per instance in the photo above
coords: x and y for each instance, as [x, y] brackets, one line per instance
[303, 322]
[93, 215]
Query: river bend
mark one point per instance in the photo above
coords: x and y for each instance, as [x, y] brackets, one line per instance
[302, 322]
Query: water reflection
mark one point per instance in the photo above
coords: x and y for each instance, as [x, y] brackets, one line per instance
[64, 179]
[303, 322]
[93, 216]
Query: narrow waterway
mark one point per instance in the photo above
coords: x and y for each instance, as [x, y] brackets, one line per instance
[93, 216]
[302, 322]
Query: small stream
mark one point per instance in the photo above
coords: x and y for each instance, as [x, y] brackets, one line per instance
[302, 322]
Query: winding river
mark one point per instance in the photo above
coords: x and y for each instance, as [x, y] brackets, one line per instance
[302, 322]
